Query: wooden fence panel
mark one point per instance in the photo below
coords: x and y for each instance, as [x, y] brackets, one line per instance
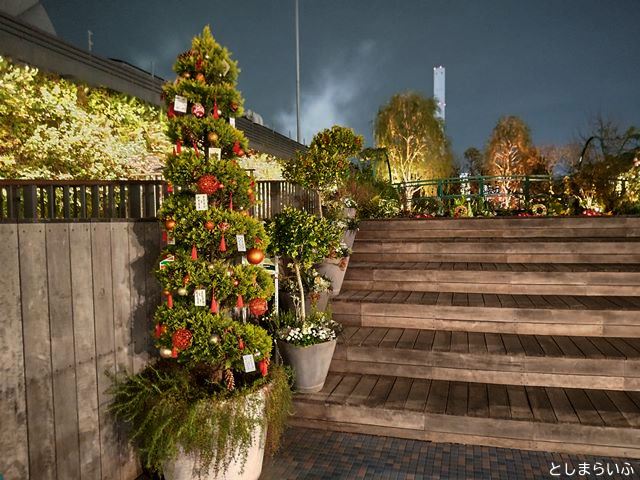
[65, 404]
[14, 460]
[139, 265]
[85, 347]
[105, 344]
[122, 316]
[37, 350]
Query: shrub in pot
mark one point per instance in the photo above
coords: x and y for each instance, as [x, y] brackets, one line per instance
[202, 408]
[302, 239]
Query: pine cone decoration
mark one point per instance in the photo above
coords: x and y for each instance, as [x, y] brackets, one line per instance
[228, 377]
[181, 339]
[208, 184]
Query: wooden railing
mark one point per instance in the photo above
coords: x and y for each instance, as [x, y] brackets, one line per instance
[35, 200]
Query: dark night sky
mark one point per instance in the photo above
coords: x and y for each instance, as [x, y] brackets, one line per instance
[555, 63]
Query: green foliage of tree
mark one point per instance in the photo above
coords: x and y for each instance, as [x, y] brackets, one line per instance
[303, 239]
[608, 177]
[325, 165]
[475, 161]
[415, 140]
[56, 129]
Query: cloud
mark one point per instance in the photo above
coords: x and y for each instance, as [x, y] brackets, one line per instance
[335, 94]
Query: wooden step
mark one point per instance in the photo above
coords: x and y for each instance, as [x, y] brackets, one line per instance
[504, 251]
[473, 312]
[505, 278]
[596, 422]
[578, 362]
[444, 231]
[630, 224]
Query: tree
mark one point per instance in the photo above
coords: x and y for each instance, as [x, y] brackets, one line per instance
[475, 161]
[207, 347]
[56, 129]
[510, 152]
[414, 138]
[302, 239]
[325, 165]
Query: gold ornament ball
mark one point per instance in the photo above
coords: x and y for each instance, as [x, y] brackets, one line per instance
[186, 75]
[211, 266]
[214, 339]
[200, 78]
[255, 256]
[212, 137]
[169, 224]
[209, 225]
[166, 353]
[182, 291]
[166, 292]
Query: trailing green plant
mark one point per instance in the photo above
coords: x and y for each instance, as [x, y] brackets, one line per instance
[175, 411]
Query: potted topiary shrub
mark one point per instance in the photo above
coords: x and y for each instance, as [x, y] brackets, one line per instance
[325, 165]
[203, 408]
[307, 343]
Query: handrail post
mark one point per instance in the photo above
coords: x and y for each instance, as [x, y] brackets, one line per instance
[526, 189]
[30, 196]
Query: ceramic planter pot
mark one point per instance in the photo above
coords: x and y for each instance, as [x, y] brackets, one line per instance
[182, 468]
[311, 364]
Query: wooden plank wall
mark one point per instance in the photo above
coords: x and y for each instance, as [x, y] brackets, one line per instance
[76, 301]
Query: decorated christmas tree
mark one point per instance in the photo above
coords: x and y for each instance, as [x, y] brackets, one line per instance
[204, 401]
[208, 271]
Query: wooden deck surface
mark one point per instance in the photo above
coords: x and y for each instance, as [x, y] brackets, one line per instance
[463, 299]
[493, 343]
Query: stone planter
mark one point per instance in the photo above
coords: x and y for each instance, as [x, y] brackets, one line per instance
[311, 364]
[182, 468]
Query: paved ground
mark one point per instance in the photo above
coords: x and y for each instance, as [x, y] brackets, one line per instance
[318, 455]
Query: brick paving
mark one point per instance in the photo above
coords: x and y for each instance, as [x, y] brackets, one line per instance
[322, 455]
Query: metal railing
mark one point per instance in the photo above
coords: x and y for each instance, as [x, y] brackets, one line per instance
[36, 200]
[521, 186]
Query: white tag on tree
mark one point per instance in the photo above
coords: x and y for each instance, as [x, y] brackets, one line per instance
[200, 297]
[249, 363]
[225, 67]
[215, 152]
[202, 202]
[232, 121]
[180, 104]
[240, 242]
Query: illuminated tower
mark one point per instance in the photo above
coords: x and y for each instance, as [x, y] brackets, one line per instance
[438, 89]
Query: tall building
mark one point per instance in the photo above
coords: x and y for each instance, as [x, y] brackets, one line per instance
[438, 89]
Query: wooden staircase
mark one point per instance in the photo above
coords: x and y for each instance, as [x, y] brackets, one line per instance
[512, 332]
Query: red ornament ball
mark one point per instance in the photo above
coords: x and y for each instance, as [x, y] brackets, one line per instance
[181, 339]
[198, 110]
[169, 224]
[255, 256]
[208, 184]
[258, 306]
[171, 112]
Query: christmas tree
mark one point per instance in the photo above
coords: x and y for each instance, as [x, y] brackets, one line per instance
[204, 402]
[209, 268]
